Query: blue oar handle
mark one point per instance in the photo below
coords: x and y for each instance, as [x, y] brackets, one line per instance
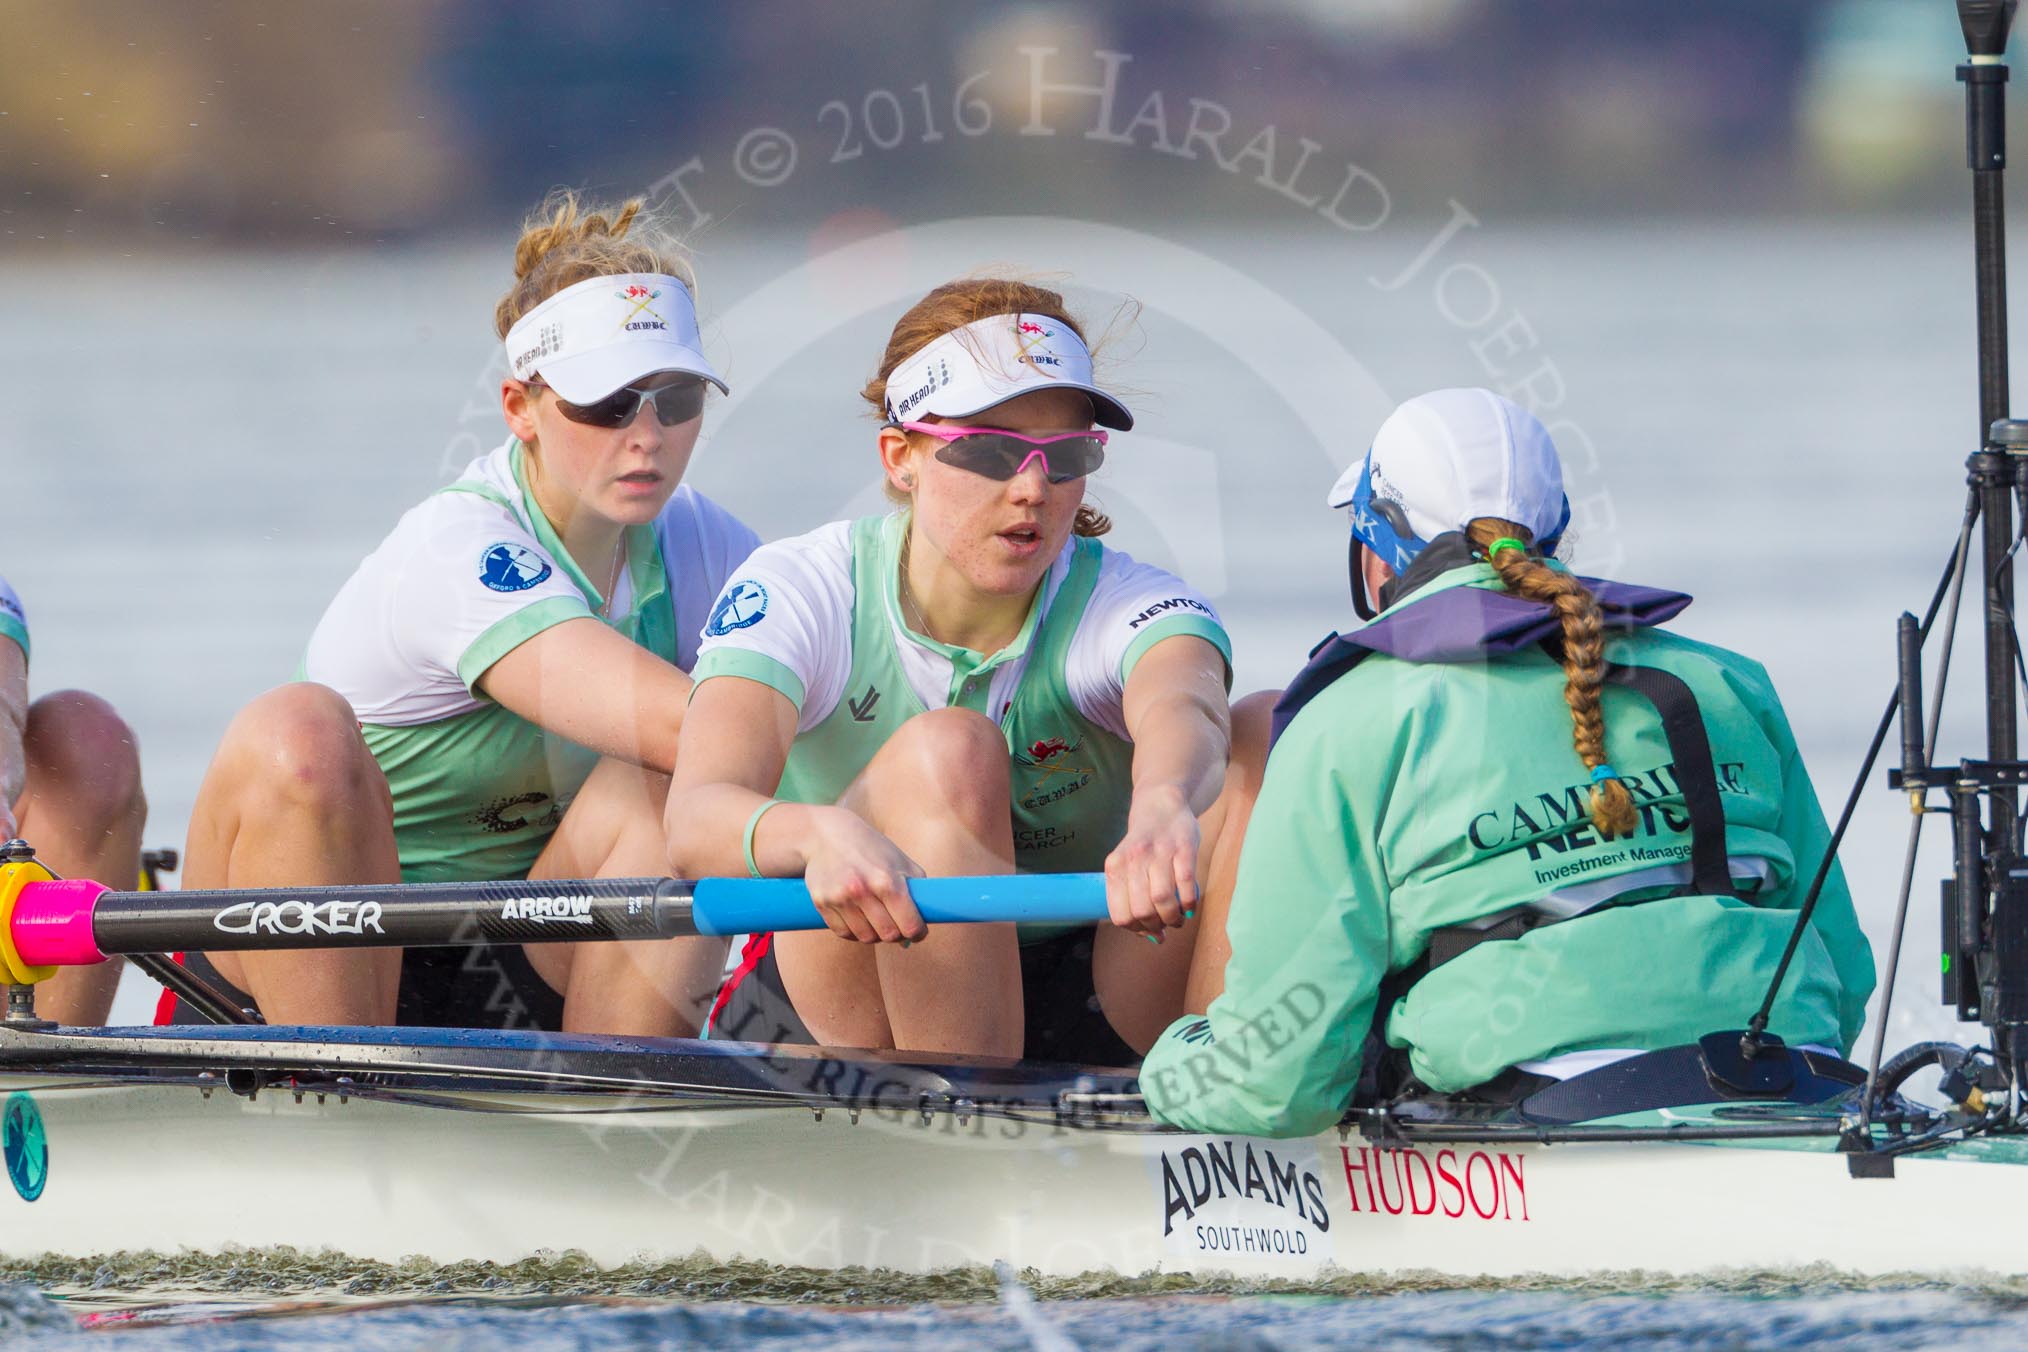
[752, 905]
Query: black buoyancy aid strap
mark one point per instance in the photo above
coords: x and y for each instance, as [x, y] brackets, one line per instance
[1386, 1070]
[1696, 775]
[1696, 779]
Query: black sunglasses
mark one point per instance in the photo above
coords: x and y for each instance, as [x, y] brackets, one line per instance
[677, 403]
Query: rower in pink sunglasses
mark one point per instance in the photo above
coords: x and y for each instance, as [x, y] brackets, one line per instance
[1000, 454]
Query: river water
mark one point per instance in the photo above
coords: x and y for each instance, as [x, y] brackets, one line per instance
[694, 1307]
[1770, 415]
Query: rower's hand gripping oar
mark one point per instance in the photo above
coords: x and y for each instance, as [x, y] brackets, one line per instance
[47, 923]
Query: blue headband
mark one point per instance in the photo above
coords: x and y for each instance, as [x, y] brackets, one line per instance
[1382, 526]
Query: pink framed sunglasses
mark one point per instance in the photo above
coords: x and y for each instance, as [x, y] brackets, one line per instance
[999, 454]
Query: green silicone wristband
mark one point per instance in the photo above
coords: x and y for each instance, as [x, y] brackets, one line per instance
[746, 841]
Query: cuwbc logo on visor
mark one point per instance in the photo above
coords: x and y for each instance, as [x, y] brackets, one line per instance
[638, 315]
[1029, 336]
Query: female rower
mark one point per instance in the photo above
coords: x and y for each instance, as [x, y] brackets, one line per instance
[70, 784]
[516, 627]
[969, 686]
[1550, 832]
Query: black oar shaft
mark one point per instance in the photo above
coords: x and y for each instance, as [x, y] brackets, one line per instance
[392, 916]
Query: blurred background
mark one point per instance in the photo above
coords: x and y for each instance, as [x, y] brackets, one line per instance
[249, 255]
[199, 124]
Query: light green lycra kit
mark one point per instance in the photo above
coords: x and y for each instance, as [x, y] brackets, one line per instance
[1409, 796]
[477, 795]
[1071, 781]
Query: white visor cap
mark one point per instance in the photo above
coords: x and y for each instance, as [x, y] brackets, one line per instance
[990, 361]
[588, 340]
[1449, 457]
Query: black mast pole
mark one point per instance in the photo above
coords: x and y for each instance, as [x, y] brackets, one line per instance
[1985, 24]
[1994, 890]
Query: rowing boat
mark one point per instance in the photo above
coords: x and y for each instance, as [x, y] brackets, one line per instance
[380, 1144]
[457, 1145]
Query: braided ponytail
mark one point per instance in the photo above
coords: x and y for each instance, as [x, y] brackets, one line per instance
[1523, 573]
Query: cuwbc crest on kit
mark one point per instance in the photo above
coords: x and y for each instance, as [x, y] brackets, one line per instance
[1058, 779]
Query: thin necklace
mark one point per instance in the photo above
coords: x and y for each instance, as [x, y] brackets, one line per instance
[613, 578]
[908, 601]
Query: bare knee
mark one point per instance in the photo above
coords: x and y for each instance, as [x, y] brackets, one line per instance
[80, 750]
[953, 759]
[1245, 768]
[300, 743]
[1252, 722]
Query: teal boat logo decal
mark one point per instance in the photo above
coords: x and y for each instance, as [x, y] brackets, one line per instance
[25, 1145]
[742, 606]
[509, 567]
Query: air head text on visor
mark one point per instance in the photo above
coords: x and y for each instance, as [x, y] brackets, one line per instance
[987, 362]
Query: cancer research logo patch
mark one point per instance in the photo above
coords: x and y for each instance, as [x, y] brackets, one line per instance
[507, 567]
[742, 605]
[25, 1145]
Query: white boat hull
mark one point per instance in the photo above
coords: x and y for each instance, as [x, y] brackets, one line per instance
[782, 1185]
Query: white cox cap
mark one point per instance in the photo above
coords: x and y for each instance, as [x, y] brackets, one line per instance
[1443, 460]
[588, 340]
[990, 361]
